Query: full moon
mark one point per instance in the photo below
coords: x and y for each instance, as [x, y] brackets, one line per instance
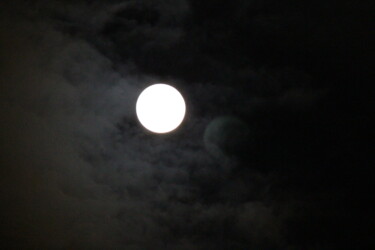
[160, 108]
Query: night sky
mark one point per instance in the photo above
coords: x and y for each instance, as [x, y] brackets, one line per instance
[274, 152]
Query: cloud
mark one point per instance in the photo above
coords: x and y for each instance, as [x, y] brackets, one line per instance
[76, 169]
[70, 177]
[50, 119]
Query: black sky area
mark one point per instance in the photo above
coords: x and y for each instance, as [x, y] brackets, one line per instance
[275, 151]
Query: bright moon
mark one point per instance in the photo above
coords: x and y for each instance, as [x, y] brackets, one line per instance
[160, 108]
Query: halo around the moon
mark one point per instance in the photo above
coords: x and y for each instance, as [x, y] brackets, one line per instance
[160, 108]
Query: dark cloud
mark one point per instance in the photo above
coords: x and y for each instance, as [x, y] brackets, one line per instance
[77, 170]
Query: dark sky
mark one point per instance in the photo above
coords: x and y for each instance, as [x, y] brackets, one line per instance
[274, 152]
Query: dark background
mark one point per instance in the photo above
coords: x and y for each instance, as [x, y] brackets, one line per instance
[274, 152]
